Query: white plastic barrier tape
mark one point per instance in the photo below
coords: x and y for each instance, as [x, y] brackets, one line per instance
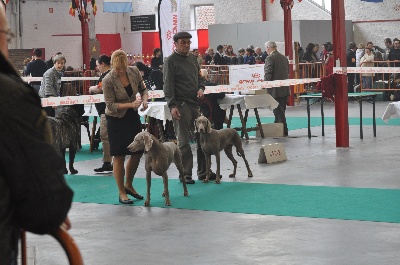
[258, 85]
[366, 70]
[29, 79]
[87, 99]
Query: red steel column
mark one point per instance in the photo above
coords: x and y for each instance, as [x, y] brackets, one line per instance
[287, 27]
[339, 52]
[85, 42]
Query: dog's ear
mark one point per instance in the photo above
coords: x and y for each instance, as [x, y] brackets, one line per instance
[208, 126]
[148, 141]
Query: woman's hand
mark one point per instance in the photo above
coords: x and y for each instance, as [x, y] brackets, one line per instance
[66, 224]
[136, 104]
[145, 106]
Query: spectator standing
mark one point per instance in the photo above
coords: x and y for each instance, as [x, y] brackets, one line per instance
[50, 62]
[36, 68]
[386, 50]
[351, 62]
[25, 63]
[157, 60]
[277, 68]
[219, 57]
[183, 85]
[230, 56]
[367, 61]
[261, 55]
[33, 192]
[120, 87]
[371, 46]
[51, 83]
[394, 55]
[103, 64]
[240, 57]
[209, 56]
[316, 49]
[196, 54]
[359, 53]
[249, 58]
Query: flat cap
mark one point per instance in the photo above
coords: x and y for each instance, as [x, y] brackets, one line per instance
[182, 35]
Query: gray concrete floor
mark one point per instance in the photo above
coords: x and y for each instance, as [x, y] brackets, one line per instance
[115, 234]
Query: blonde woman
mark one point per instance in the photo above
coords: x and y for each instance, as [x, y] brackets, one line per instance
[120, 87]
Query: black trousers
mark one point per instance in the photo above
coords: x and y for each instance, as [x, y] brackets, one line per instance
[279, 113]
[350, 83]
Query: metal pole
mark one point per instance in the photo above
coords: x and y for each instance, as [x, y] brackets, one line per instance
[339, 55]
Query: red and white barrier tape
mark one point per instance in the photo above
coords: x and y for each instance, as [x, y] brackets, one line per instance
[87, 99]
[366, 70]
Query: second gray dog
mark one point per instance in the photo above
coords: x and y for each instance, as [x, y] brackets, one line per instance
[214, 141]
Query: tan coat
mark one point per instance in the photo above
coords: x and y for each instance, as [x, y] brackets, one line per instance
[114, 91]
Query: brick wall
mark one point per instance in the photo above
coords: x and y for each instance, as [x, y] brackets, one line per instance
[17, 57]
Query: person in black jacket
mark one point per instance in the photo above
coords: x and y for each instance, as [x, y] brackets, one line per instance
[36, 68]
[33, 192]
[219, 58]
[351, 62]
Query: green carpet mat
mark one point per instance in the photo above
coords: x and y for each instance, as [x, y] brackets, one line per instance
[365, 204]
[84, 154]
[295, 123]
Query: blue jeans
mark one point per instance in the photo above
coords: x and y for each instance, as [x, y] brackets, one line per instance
[367, 82]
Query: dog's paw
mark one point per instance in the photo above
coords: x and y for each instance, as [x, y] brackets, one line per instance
[232, 176]
[185, 194]
[217, 181]
[167, 203]
[205, 180]
[73, 171]
[250, 176]
[146, 203]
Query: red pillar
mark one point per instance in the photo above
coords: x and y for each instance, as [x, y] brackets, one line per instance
[85, 42]
[339, 52]
[287, 27]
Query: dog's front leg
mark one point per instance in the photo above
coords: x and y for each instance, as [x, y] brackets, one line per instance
[148, 180]
[218, 177]
[62, 151]
[72, 152]
[208, 168]
[178, 164]
[166, 192]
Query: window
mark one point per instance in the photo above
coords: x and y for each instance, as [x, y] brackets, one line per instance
[204, 16]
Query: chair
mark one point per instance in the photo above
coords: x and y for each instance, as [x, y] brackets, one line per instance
[65, 240]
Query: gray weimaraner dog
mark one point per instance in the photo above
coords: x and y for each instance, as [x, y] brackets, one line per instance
[214, 141]
[159, 157]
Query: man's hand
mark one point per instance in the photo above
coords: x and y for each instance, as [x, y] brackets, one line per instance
[200, 93]
[175, 113]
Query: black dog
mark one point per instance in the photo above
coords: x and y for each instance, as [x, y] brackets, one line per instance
[65, 128]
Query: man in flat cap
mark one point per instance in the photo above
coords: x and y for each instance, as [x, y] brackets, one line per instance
[183, 85]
